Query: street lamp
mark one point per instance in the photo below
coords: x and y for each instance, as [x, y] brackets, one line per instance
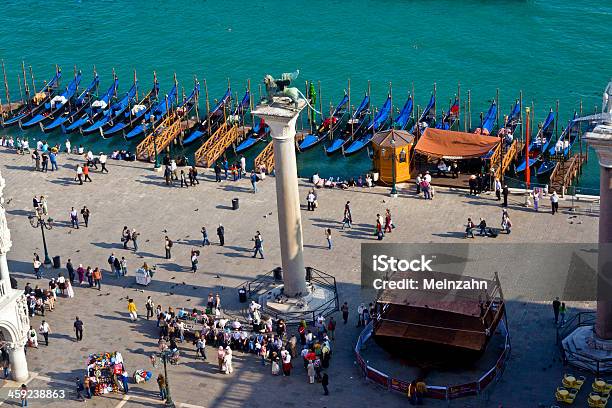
[38, 221]
[165, 356]
[393, 188]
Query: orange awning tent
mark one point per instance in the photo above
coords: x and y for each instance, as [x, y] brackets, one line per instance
[448, 144]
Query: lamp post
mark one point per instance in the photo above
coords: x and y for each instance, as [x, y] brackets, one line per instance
[165, 355]
[38, 221]
[393, 187]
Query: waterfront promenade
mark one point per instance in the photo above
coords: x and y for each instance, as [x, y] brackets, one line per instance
[135, 196]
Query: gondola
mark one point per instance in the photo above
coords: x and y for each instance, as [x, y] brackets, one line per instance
[216, 117]
[114, 113]
[57, 105]
[82, 102]
[36, 103]
[569, 134]
[403, 119]
[94, 111]
[365, 136]
[427, 117]
[489, 120]
[540, 143]
[510, 125]
[449, 118]
[134, 114]
[157, 113]
[354, 124]
[329, 126]
[259, 132]
[185, 107]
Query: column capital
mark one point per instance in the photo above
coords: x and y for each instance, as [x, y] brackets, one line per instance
[281, 116]
[600, 139]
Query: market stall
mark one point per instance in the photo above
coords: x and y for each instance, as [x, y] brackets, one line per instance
[104, 370]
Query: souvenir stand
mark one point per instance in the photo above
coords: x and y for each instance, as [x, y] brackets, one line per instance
[104, 370]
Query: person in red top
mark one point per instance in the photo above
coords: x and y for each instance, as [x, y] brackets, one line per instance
[86, 173]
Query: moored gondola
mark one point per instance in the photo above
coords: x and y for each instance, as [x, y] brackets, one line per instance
[539, 144]
[94, 111]
[365, 135]
[329, 125]
[354, 124]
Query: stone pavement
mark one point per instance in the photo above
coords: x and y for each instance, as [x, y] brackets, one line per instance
[133, 195]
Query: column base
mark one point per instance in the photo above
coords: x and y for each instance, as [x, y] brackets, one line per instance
[19, 364]
[583, 349]
[321, 299]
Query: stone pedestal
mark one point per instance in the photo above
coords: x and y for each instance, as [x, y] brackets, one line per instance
[19, 364]
[281, 117]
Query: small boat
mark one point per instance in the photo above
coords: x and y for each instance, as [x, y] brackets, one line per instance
[216, 117]
[36, 103]
[353, 125]
[488, 121]
[93, 111]
[563, 146]
[114, 113]
[374, 126]
[427, 118]
[540, 143]
[57, 105]
[135, 114]
[329, 125]
[449, 118]
[259, 132]
[157, 113]
[82, 102]
[401, 122]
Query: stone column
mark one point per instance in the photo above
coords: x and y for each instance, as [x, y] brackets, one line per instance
[601, 139]
[281, 120]
[19, 364]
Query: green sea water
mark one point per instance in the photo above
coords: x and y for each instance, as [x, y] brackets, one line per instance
[551, 50]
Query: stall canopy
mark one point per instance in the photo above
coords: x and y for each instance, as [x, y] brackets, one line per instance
[452, 145]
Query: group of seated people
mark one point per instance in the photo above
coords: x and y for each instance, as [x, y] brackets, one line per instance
[333, 182]
[123, 155]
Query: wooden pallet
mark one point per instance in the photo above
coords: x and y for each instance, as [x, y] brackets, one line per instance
[266, 158]
[161, 137]
[216, 145]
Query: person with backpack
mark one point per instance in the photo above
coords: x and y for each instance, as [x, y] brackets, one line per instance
[168, 247]
[469, 228]
[258, 245]
[194, 260]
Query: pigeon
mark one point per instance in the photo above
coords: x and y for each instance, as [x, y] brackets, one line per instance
[9, 201]
[197, 209]
[147, 240]
[217, 276]
[165, 231]
[174, 277]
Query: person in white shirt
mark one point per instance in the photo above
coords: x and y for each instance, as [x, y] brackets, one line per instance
[68, 146]
[311, 201]
[39, 145]
[554, 201]
[32, 337]
[25, 145]
[81, 150]
[243, 165]
[103, 159]
[44, 329]
[427, 177]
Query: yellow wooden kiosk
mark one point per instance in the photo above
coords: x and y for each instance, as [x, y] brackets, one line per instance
[392, 151]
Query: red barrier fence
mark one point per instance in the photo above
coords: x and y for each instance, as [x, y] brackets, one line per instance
[433, 391]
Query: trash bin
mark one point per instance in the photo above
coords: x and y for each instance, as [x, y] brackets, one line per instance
[278, 273]
[308, 273]
[242, 295]
[56, 262]
[235, 204]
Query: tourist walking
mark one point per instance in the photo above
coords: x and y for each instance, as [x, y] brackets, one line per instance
[469, 228]
[554, 201]
[103, 158]
[562, 312]
[85, 213]
[325, 384]
[161, 384]
[45, 330]
[506, 224]
[254, 181]
[74, 218]
[388, 221]
[70, 270]
[331, 328]
[505, 192]
[23, 393]
[79, 389]
[347, 219]
[168, 175]
[556, 305]
[168, 247]
[78, 328]
[310, 199]
[150, 307]
[123, 265]
[194, 260]
[37, 264]
[86, 173]
[194, 176]
[328, 236]
[205, 240]
[183, 179]
[345, 312]
[221, 234]
[97, 278]
[132, 310]
[125, 236]
[258, 245]
[536, 199]
[117, 267]
[217, 173]
[134, 237]
[201, 347]
[498, 188]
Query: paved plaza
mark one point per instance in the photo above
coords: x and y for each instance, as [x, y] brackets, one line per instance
[132, 194]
